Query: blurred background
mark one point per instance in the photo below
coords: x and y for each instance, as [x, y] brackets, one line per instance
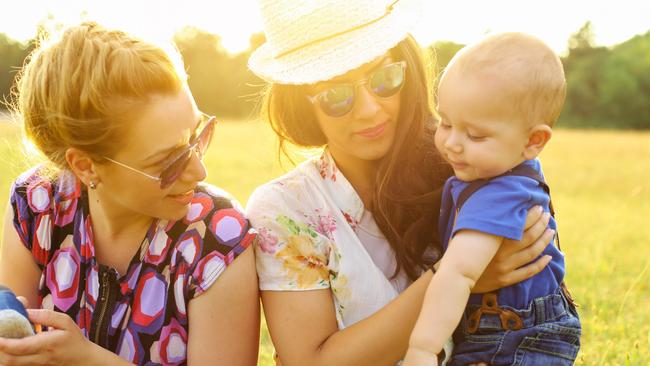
[605, 46]
[598, 163]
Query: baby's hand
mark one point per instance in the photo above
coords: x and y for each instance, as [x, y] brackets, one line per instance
[419, 357]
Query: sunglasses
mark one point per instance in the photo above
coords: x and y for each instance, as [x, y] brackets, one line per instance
[177, 164]
[384, 82]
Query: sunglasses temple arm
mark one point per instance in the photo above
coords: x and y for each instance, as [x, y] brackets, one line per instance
[132, 169]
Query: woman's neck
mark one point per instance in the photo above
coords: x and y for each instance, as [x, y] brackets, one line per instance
[117, 232]
[360, 173]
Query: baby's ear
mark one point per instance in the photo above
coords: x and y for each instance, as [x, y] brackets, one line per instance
[538, 136]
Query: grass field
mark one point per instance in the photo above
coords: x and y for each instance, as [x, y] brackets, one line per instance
[601, 190]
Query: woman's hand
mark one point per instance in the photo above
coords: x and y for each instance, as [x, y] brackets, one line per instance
[63, 344]
[511, 265]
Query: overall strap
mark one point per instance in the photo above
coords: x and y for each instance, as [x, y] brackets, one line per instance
[530, 172]
[468, 191]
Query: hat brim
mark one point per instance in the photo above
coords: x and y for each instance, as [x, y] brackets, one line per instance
[333, 57]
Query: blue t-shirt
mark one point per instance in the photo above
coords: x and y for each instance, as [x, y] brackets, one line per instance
[500, 208]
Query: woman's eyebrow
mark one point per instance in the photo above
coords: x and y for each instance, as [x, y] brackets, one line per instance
[158, 155]
[166, 151]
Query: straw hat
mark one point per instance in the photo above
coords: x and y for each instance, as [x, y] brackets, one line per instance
[315, 40]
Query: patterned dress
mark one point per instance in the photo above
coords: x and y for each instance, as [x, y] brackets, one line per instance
[141, 314]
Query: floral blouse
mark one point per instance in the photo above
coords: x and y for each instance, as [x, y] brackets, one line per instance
[142, 314]
[306, 222]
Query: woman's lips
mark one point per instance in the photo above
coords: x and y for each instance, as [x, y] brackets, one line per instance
[373, 132]
[183, 198]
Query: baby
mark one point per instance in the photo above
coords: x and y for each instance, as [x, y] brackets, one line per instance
[498, 100]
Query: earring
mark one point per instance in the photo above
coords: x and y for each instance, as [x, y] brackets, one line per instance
[92, 185]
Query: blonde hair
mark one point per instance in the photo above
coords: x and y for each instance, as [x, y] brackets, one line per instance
[79, 90]
[531, 72]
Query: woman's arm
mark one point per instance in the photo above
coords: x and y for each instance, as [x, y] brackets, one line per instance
[303, 324]
[18, 271]
[224, 322]
[304, 330]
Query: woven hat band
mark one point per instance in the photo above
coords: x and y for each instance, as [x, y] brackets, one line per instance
[389, 9]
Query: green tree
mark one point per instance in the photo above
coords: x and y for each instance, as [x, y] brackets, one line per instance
[12, 56]
[220, 82]
[584, 39]
[626, 84]
[607, 87]
[583, 67]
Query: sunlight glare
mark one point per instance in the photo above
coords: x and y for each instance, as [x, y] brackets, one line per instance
[460, 21]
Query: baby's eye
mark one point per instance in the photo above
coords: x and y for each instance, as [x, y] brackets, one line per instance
[443, 124]
[475, 137]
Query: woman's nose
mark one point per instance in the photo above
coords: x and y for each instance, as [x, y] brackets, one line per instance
[195, 170]
[366, 105]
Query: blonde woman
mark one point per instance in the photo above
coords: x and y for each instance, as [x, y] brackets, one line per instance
[347, 239]
[123, 253]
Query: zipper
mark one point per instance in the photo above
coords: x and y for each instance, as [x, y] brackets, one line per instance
[106, 301]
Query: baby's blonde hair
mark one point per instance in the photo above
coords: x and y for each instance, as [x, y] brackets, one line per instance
[79, 90]
[531, 72]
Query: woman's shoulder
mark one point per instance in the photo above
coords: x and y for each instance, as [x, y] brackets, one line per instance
[213, 211]
[207, 240]
[216, 220]
[286, 188]
[44, 204]
[41, 185]
[36, 175]
[212, 205]
[218, 196]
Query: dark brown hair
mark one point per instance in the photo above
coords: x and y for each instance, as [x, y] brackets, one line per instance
[410, 176]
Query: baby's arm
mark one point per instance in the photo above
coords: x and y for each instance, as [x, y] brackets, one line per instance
[468, 254]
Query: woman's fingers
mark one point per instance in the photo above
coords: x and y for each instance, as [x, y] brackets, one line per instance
[530, 236]
[534, 214]
[22, 360]
[536, 230]
[527, 271]
[528, 254]
[51, 318]
[23, 346]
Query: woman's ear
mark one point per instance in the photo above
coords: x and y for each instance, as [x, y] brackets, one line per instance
[82, 166]
[538, 136]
